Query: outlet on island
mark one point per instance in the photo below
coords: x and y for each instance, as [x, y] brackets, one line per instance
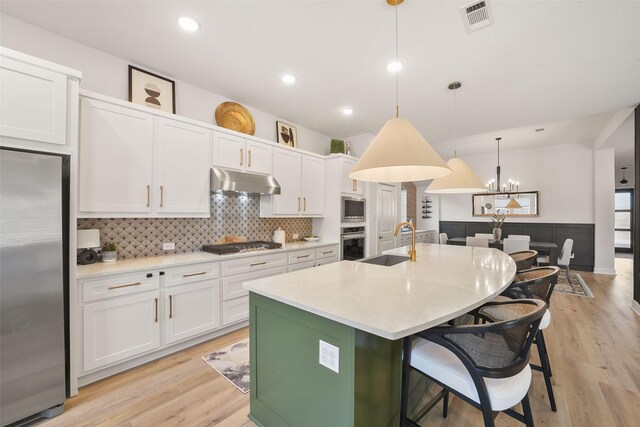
[329, 356]
[169, 246]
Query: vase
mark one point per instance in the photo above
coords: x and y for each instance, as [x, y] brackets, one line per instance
[497, 234]
[109, 256]
[347, 150]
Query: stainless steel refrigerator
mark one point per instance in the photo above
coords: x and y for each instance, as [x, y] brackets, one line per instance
[33, 284]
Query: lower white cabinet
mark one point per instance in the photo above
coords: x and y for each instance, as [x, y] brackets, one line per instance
[117, 329]
[191, 310]
[235, 310]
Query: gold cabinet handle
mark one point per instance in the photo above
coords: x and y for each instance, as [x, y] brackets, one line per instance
[241, 156]
[257, 263]
[305, 204]
[170, 307]
[298, 204]
[249, 165]
[148, 195]
[303, 256]
[327, 252]
[200, 273]
[125, 285]
[156, 319]
[355, 184]
[162, 196]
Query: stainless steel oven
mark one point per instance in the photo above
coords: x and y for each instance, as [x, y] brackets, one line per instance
[352, 243]
[353, 209]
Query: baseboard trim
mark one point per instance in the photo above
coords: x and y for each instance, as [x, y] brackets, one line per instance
[608, 271]
[635, 306]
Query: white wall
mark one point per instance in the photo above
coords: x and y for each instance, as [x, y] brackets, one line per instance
[108, 74]
[359, 143]
[432, 223]
[563, 174]
[604, 195]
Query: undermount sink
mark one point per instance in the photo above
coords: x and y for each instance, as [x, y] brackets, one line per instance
[386, 260]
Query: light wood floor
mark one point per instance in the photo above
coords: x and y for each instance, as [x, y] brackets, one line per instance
[594, 347]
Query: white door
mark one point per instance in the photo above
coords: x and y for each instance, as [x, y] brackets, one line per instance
[259, 158]
[287, 171]
[117, 329]
[116, 158]
[387, 217]
[182, 184]
[228, 151]
[312, 186]
[191, 310]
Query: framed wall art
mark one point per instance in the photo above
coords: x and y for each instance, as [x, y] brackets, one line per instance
[151, 90]
[287, 134]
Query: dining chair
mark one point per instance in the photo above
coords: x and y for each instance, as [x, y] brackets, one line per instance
[524, 259]
[486, 365]
[485, 235]
[565, 256]
[510, 245]
[519, 236]
[538, 283]
[444, 238]
[478, 242]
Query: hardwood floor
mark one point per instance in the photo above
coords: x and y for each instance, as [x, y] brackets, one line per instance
[594, 347]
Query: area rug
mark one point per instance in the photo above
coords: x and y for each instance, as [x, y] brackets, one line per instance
[575, 285]
[232, 362]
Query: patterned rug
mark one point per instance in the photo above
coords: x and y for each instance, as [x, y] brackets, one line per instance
[232, 362]
[575, 286]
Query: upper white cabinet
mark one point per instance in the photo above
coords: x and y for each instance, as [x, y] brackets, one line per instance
[301, 179]
[183, 167]
[36, 100]
[350, 186]
[136, 164]
[241, 154]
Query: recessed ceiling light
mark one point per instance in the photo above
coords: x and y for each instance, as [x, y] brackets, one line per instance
[394, 66]
[289, 79]
[347, 111]
[188, 24]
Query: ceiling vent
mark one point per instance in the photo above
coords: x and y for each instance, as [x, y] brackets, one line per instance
[476, 15]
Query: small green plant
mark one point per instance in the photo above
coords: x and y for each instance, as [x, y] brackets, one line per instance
[110, 247]
[337, 146]
[497, 220]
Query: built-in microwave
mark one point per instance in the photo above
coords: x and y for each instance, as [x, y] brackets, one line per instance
[353, 209]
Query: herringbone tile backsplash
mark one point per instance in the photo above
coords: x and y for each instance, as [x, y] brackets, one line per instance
[230, 214]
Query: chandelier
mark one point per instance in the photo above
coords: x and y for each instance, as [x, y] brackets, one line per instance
[494, 184]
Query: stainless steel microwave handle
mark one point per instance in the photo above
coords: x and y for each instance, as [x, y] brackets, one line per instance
[353, 236]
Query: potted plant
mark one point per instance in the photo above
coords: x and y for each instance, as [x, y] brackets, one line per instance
[337, 146]
[109, 252]
[496, 224]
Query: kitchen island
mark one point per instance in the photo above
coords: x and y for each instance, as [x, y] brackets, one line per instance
[362, 311]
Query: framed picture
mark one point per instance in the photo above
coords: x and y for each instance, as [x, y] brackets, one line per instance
[287, 134]
[151, 90]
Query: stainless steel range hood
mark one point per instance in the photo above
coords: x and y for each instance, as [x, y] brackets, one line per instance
[242, 182]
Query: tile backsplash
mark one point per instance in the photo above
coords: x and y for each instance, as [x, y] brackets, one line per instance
[230, 214]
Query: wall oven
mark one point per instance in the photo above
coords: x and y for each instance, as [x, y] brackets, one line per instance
[352, 243]
[353, 209]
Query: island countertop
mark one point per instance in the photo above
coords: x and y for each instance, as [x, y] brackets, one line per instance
[394, 302]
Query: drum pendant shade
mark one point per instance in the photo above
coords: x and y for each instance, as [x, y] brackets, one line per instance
[399, 154]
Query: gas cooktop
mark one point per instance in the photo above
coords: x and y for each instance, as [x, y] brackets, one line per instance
[233, 248]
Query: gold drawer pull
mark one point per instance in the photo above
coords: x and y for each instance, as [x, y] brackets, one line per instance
[298, 204]
[305, 204]
[257, 263]
[125, 286]
[303, 256]
[148, 195]
[170, 307]
[241, 156]
[195, 274]
[327, 252]
[249, 158]
[156, 320]
[162, 196]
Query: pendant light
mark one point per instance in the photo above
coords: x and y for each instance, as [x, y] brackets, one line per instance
[624, 180]
[398, 153]
[463, 179]
[513, 204]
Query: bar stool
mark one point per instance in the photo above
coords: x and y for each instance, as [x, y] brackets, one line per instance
[443, 238]
[486, 365]
[524, 259]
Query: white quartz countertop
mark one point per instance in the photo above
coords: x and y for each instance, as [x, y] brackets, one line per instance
[394, 302]
[139, 264]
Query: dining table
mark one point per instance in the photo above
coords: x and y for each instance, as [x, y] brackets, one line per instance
[543, 248]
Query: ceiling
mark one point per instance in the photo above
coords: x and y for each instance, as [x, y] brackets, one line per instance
[551, 61]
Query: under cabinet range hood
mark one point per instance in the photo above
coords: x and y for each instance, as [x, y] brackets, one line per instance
[242, 182]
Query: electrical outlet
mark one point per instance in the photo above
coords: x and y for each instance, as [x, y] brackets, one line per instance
[169, 246]
[330, 356]
[295, 236]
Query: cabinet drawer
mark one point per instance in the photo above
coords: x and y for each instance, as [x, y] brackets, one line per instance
[232, 286]
[245, 265]
[302, 256]
[114, 286]
[324, 261]
[235, 310]
[327, 252]
[191, 273]
[302, 266]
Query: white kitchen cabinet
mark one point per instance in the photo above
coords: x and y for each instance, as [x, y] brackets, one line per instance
[350, 186]
[116, 158]
[120, 328]
[241, 154]
[182, 184]
[191, 310]
[235, 310]
[324, 261]
[301, 179]
[301, 266]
